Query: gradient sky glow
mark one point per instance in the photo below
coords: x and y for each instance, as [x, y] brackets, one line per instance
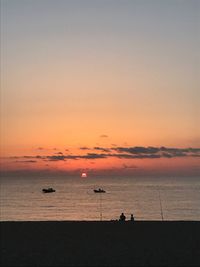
[106, 73]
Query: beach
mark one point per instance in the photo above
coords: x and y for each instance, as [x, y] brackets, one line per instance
[95, 243]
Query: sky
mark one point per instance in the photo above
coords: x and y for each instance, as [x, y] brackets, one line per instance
[100, 85]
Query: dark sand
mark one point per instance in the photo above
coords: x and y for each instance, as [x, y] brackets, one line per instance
[100, 244]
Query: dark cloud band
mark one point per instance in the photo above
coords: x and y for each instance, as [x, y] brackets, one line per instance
[137, 152]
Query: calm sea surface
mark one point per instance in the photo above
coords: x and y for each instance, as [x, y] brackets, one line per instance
[74, 199]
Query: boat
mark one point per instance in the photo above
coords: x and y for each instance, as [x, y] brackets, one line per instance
[48, 190]
[99, 190]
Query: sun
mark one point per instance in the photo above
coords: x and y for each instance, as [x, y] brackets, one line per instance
[83, 174]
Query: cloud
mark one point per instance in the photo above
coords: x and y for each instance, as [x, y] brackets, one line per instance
[56, 158]
[137, 152]
[40, 148]
[75, 157]
[103, 136]
[26, 161]
[158, 152]
[102, 149]
[195, 155]
[129, 166]
[136, 156]
[94, 156]
[84, 148]
[38, 157]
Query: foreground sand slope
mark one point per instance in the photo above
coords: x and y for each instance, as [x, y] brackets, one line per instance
[100, 244]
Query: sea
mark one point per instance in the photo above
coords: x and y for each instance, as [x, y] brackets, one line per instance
[147, 198]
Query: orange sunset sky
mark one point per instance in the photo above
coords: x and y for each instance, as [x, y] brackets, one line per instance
[102, 86]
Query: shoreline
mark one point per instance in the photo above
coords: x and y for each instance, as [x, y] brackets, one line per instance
[100, 243]
[97, 222]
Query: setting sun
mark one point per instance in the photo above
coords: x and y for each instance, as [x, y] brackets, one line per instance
[84, 175]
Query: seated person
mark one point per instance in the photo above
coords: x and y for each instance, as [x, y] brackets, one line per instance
[122, 217]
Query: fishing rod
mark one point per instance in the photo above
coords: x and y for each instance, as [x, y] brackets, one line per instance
[100, 207]
[100, 203]
[161, 210]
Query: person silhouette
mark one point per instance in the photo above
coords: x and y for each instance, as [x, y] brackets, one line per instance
[122, 217]
[132, 218]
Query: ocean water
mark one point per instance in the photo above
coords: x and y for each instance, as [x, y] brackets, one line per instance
[74, 199]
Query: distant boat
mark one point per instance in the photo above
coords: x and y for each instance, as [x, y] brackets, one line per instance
[48, 190]
[99, 190]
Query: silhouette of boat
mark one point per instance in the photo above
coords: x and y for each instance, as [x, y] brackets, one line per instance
[48, 190]
[99, 190]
